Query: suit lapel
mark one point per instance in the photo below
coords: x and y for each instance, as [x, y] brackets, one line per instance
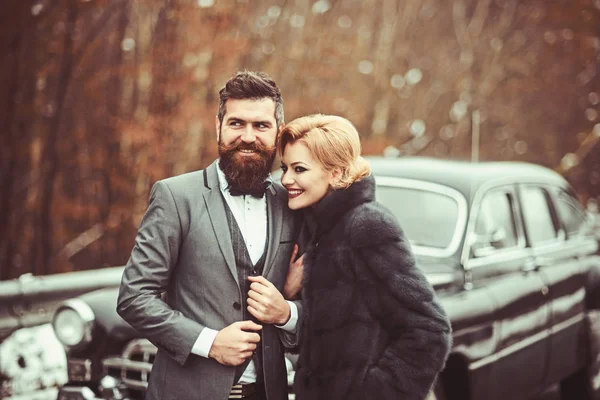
[215, 207]
[275, 227]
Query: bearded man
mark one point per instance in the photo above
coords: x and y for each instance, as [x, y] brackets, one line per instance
[211, 256]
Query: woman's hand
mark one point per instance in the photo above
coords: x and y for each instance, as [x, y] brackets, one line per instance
[293, 283]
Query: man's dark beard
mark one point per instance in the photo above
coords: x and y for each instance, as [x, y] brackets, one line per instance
[246, 174]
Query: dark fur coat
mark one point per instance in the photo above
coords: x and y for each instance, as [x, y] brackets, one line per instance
[373, 328]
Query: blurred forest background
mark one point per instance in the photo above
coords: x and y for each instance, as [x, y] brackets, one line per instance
[100, 98]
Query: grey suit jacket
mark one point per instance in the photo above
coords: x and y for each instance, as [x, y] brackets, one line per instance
[183, 249]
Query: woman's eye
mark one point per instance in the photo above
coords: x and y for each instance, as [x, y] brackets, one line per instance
[284, 169]
[299, 169]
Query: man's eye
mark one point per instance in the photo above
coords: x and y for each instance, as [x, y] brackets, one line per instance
[262, 126]
[235, 123]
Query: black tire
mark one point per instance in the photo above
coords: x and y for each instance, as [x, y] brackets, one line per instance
[577, 386]
[581, 385]
[437, 393]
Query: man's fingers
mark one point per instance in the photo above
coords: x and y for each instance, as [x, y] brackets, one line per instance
[259, 280]
[253, 294]
[255, 313]
[259, 288]
[250, 326]
[294, 253]
[238, 359]
[247, 346]
[256, 305]
[253, 338]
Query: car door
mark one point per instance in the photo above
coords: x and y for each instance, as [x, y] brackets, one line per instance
[497, 265]
[553, 229]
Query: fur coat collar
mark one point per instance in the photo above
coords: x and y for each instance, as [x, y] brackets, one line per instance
[327, 213]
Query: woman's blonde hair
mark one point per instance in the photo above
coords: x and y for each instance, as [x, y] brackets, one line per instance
[334, 142]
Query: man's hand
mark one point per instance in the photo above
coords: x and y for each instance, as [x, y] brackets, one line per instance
[265, 302]
[293, 282]
[235, 343]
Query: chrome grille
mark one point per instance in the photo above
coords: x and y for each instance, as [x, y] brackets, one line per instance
[134, 366]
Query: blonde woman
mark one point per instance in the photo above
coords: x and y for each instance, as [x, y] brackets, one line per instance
[373, 328]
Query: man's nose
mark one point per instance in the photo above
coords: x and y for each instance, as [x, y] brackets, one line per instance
[248, 136]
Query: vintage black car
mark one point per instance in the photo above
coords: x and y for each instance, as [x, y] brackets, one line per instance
[507, 247]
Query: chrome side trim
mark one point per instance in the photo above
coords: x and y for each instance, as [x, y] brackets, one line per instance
[118, 362]
[513, 348]
[437, 279]
[447, 191]
[570, 247]
[567, 323]
[499, 256]
[130, 383]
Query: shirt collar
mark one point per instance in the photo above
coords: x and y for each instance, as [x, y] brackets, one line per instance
[222, 179]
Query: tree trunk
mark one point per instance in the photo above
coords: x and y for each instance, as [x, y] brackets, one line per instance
[50, 154]
[20, 79]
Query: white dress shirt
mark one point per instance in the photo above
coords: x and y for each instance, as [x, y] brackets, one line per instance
[250, 214]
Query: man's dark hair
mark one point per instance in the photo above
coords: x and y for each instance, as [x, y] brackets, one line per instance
[251, 85]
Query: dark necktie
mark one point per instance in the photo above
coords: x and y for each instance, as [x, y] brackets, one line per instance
[258, 193]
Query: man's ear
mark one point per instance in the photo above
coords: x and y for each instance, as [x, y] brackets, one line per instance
[217, 127]
[278, 136]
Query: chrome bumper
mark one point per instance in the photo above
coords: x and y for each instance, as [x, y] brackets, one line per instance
[109, 388]
[76, 393]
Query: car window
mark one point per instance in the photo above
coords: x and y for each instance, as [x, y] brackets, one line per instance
[537, 215]
[495, 226]
[570, 212]
[428, 218]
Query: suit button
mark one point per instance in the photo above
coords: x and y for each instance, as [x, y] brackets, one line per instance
[254, 271]
[236, 305]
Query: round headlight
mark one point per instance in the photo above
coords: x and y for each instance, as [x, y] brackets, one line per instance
[73, 322]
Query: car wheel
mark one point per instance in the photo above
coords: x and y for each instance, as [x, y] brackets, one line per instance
[437, 393]
[578, 386]
[585, 383]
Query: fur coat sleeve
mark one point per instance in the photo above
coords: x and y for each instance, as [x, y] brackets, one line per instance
[406, 306]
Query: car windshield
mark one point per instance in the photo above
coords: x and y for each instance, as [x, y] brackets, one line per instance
[427, 217]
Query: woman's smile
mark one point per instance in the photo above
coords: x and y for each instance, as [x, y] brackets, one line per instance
[293, 193]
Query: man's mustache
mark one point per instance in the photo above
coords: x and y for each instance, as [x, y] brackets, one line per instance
[254, 146]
